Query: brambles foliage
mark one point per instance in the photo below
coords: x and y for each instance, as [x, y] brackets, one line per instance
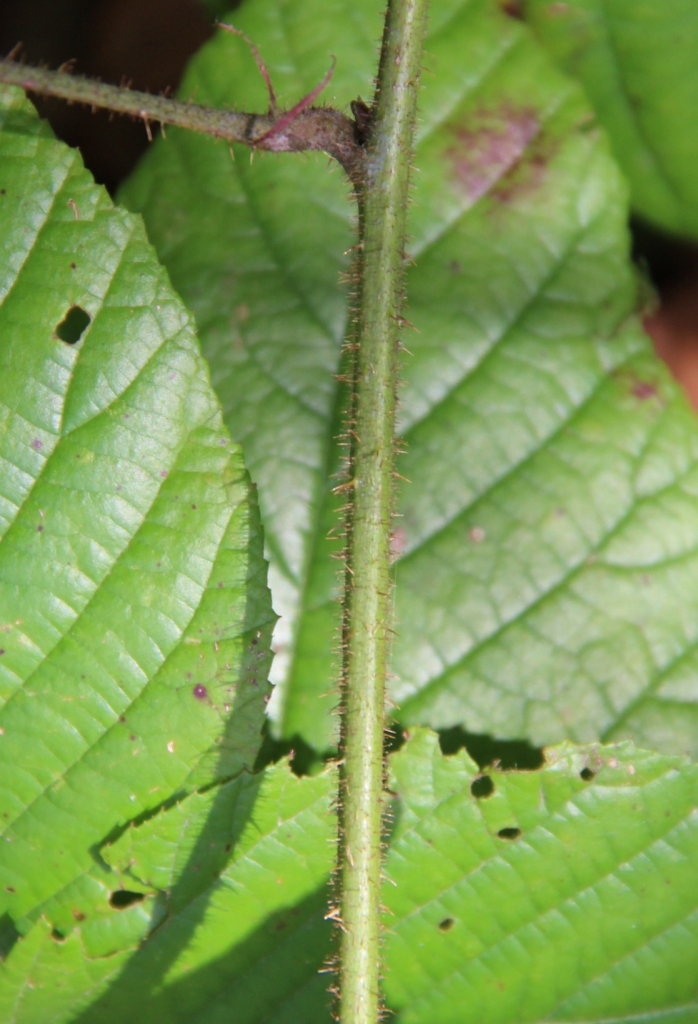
[545, 557]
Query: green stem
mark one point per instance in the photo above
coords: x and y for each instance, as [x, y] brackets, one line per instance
[303, 128]
[380, 174]
[383, 200]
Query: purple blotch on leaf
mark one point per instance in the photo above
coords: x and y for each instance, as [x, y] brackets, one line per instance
[500, 151]
[643, 389]
[514, 8]
[37, 444]
[200, 692]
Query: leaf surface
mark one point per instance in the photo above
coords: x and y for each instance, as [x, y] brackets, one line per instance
[636, 60]
[243, 929]
[547, 546]
[562, 894]
[134, 612]
[566, 894]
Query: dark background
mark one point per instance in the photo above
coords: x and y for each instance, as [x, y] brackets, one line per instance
[148, 42]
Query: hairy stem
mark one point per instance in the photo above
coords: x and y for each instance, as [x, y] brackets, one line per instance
[375, 151]
[383, 199]
[303, 128]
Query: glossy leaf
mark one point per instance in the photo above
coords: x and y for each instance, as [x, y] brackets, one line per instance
[636, 60]
[134, 612]
[564, 894]
[547, 545]
[251, 939]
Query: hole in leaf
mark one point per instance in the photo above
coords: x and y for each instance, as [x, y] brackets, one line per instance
[73, 325]
[517, 755]
[446, 924]
[587, 774]
[122, 898]
[482, 787]
[57, 935]
[509, 833]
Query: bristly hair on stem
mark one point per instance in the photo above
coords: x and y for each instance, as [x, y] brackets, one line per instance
[303, 128]
[375, 150]
[388, 131]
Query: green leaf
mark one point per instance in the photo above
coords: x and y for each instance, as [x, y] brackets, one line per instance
[546, 578]
[636, 60]
[258, 248]
[249, 937]
[134, 613]
[44, 978]
[557, 897]
[563, 894]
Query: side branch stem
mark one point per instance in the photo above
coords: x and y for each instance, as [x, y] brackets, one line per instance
[312, 128]
[383, 201]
